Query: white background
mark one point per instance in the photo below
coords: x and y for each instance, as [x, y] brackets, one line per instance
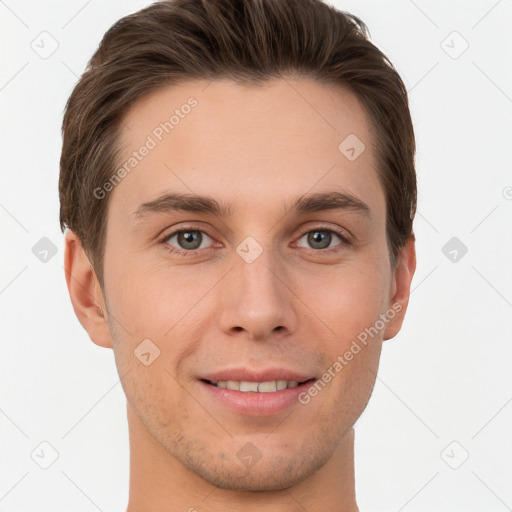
[446, 377]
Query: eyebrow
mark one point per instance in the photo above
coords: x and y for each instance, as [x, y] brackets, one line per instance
[308, 203]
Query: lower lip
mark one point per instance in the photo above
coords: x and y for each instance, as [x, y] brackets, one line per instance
[255, 403]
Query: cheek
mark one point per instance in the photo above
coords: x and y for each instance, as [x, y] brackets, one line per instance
[348, 299]
[350, 302]
[152, 321]
[149, 301]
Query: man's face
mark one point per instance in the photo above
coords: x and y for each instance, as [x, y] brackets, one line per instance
[266, 289]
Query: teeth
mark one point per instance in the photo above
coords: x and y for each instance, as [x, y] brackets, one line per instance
[249, 386]
[266, 387]
[281, 384]
[261, 387]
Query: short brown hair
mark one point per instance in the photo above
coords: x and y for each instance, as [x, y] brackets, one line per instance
[248, 41]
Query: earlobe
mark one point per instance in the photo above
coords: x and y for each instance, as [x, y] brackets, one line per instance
[401, 288]
[85, 292]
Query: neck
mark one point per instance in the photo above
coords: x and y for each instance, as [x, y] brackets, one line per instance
[160, 482]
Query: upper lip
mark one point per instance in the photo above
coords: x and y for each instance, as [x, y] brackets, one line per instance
[263, 375]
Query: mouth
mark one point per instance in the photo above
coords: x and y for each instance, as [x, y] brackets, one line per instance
[256, 398]
[270, 386]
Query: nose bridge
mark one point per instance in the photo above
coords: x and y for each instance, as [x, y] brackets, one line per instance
[257, 301]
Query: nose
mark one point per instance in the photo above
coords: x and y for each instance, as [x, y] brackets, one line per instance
[257, 300]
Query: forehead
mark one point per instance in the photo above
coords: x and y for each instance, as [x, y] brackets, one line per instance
[247, 145]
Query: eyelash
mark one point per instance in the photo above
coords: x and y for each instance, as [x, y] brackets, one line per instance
[182, 252]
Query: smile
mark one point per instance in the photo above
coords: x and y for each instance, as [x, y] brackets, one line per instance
[254, 398]
[257, 387]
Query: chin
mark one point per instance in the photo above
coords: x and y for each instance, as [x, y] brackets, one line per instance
[273, 472]
[263, 479]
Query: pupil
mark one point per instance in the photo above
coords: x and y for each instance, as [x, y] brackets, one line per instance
[318, 236]
[189, 237]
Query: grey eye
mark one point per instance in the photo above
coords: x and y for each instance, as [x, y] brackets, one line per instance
[320, 238]
[188, 239]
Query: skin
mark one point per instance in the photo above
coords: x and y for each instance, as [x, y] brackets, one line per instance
[256, 148]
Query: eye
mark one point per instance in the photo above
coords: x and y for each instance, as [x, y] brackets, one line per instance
[187, 240]
[321, 238]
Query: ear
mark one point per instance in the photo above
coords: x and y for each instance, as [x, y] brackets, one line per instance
[85, 291]
[400, 289]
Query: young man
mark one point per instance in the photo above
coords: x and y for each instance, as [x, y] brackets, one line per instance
[239, 186]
